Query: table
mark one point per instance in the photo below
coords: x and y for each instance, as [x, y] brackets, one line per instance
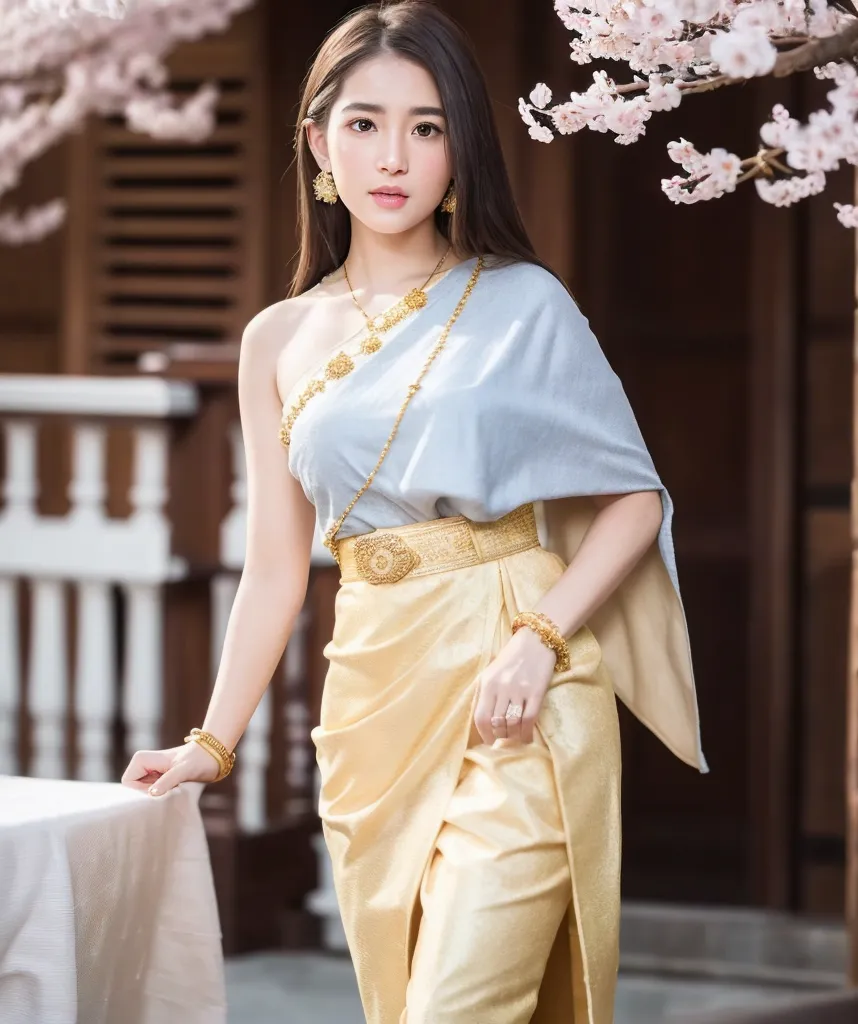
[107, 906]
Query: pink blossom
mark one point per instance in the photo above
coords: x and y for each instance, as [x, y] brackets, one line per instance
[156, 116]
[685, 154]
[663, 96]
[787, 191]
[825, 21]
[567, 118]
[541, 134]
[668, 47]
[541, 96]
[777, 132]
[847, 214]
[34, 225]
[743, 53]
[526, 116]
[627, 118]
[762, 14]
[69, 8]
[724, 168]
[698, 11]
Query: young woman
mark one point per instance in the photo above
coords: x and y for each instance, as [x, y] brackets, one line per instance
[427, 382]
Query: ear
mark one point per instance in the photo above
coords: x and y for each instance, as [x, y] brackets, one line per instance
[318, 144]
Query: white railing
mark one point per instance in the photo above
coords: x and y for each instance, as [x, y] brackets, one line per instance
[124, 564]
[91, 553]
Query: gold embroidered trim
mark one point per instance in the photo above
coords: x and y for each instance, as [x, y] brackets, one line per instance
[420, 549]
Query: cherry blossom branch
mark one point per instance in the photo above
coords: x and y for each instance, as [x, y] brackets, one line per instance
[681, 47]
[63, 60]
[803, 58]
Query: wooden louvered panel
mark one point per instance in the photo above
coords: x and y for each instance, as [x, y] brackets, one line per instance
[164, 316]
[187, 287]
[120, 168]
[172, 197]
[123, 350]
[144, 258]
[223, 135]
[174, 229]
[175, 233]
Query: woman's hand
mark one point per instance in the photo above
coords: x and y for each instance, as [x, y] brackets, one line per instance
[159, 771]
[520, 674]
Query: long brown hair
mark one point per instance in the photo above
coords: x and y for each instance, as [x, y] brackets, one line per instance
[486, 219]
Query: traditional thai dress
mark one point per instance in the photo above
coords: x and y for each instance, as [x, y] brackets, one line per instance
[481, 884]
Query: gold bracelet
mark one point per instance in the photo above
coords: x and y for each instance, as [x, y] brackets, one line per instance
[549, 634]
[224, 757]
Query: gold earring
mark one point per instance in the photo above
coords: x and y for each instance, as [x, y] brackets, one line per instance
[448, 203]
[325, 187]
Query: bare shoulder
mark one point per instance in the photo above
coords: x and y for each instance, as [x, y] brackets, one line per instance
[271, 328]
[273, 342]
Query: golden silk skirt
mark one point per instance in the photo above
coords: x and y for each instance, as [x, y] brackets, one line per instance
[477, 884]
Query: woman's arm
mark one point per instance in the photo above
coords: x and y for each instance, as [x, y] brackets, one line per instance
[621, 533]
[280, 525]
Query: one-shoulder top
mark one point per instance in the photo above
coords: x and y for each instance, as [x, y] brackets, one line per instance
[521, 405]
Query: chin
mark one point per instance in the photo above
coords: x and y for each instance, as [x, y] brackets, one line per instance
[394, 222]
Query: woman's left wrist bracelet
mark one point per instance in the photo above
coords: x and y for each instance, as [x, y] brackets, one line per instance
[549, 633]
[224, 757]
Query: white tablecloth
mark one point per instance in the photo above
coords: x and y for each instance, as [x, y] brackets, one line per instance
[107, 907]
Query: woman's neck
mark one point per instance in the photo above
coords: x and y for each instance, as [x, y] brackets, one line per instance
[384, 264]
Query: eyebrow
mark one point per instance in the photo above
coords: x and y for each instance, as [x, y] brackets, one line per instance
[377, 108]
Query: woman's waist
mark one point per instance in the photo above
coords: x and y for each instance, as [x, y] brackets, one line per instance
[437, 545]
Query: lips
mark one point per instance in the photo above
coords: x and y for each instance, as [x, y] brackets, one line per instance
[388, 192]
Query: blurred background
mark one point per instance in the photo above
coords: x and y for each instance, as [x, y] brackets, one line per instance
[121, 542]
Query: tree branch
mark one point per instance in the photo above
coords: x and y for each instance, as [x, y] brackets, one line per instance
[809, 55]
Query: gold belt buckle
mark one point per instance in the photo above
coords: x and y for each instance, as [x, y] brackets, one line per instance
[384, 558]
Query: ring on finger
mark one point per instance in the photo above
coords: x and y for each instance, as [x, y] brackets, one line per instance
[513, 713]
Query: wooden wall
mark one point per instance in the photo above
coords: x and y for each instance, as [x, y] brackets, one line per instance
[730, 325]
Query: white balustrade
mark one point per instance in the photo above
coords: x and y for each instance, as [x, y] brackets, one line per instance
[251, 767]
[296, 714]
[47, 686]
[255, 755]
[143, 670]
[10, 676]
[95, 679]
[92, 554]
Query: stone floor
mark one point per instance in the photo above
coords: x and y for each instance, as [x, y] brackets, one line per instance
[278, 988]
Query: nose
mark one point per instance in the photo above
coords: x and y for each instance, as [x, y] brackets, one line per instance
[392, 159]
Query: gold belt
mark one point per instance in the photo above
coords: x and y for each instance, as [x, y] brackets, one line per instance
[418, 549]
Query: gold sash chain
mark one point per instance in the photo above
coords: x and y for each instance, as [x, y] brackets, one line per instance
[342, 364]
[329, 541]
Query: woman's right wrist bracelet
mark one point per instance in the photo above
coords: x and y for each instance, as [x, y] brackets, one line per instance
[224, 757]
[549, 633]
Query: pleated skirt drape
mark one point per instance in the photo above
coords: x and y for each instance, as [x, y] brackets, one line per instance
[463, 872]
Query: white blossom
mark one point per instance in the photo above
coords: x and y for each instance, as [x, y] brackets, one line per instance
[743, 53]
[541, 96]
[847, 214]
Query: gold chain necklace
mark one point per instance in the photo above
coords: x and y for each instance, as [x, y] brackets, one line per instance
[342, 363]
[329, 541]
[409, 303]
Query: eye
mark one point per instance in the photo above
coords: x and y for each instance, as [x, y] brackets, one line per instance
[433, 128]
[361, 120]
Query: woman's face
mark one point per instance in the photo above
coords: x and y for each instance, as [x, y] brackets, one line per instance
[386, 130]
